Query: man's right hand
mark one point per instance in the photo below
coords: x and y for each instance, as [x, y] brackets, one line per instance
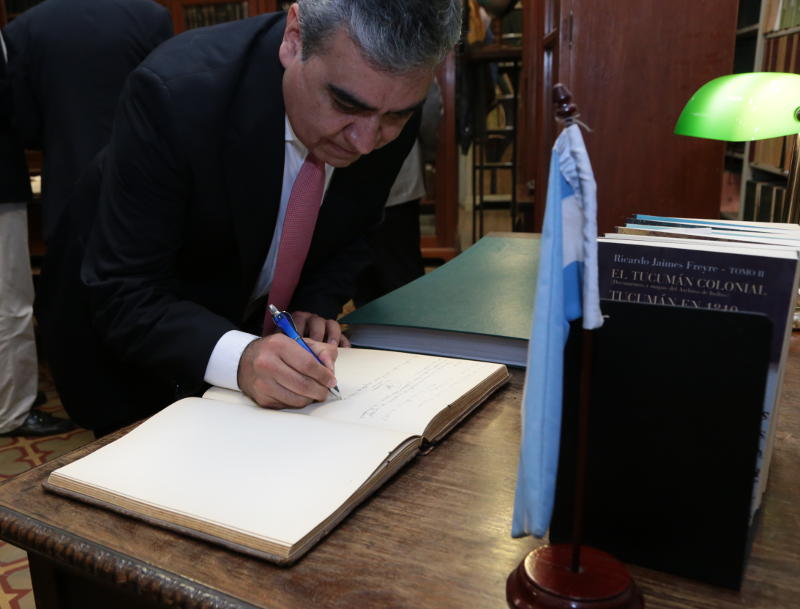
[276, 372]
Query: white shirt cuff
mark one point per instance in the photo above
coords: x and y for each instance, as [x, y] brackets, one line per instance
[223, 365]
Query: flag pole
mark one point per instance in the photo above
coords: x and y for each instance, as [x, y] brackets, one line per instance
[573, 576]
[582, 450]
[567, 113]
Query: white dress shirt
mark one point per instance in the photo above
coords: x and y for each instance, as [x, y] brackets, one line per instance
[409, 183]
[223, 365]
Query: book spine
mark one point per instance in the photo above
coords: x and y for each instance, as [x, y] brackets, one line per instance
[749, 211]
[765, 200]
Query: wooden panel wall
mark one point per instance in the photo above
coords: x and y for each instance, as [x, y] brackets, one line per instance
[631, 65]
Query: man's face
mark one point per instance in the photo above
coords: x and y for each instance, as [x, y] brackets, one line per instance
[338, 105]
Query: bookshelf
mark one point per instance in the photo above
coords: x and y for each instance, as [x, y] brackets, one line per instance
[747, 57]
[493, 65]
[768, 39]
[186, 14]
[189, 14]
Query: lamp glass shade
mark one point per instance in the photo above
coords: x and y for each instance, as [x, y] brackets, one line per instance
[742, 107]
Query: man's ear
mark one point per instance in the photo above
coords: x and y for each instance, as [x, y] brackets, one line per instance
[292, 45]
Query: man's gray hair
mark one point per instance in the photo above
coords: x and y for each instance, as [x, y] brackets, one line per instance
[394, 35]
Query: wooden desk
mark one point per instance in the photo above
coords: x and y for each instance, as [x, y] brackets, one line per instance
[435, 536]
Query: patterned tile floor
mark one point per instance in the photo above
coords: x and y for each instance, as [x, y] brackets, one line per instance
[18, 454]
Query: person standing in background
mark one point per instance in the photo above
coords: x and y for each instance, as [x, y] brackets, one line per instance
[19, 374]
[68, 61]
[395, 243]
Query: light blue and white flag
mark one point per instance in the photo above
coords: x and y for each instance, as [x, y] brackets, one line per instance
[566, 288]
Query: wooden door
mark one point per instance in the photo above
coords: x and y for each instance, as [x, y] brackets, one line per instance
[631, 66]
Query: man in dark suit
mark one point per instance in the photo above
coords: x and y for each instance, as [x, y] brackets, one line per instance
[210, 135]
[19, 373]
[68, 60]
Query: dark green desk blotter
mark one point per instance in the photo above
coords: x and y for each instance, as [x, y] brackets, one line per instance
[479, 306]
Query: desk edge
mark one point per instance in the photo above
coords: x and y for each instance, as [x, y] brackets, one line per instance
[109, 567]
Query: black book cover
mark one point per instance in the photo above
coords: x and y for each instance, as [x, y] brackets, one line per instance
[675, 414]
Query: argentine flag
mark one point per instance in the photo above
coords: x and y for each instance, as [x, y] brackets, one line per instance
[566, 288]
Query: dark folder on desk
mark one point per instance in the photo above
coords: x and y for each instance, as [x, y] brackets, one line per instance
[676, 403]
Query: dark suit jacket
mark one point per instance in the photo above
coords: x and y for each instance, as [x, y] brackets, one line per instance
[15, 185]
[190, 191]
[68, 60]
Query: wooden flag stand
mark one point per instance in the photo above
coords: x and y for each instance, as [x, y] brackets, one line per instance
[573, 576]
[545, 580]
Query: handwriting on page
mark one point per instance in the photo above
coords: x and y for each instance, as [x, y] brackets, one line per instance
[398, 392]
[398, 389]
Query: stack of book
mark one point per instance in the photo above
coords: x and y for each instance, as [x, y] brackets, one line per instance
[778, 14]
[782, 14]
[765, 202]
[717, 265]
[685, 384]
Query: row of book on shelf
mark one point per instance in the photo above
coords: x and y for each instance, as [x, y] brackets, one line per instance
[781, 54]
[765, 202]
[773, 154]
[781, 14]
[201, 15]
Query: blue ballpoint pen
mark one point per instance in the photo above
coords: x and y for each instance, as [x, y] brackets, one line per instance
[285, 324]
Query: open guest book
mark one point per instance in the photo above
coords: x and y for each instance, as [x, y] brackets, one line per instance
[271, 483]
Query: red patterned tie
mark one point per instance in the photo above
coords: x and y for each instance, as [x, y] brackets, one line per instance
[298, 226]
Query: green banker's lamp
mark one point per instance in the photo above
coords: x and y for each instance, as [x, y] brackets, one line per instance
[745, 107]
